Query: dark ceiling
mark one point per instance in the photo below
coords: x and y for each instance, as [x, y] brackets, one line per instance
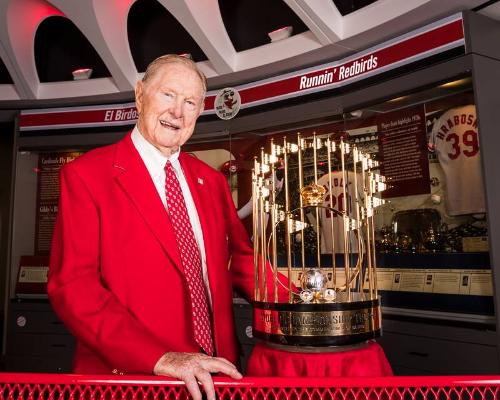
[61, 48]
[163, 34]
[348, 6]
[249, 21]
[4, 74]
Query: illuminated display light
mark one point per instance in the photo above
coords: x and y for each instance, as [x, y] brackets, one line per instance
[82, 73]
[280, 34]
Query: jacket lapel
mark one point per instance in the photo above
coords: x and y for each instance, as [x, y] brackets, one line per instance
[133, 177]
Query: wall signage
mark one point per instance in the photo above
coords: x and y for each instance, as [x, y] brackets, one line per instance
[419, 44]
[227, 103]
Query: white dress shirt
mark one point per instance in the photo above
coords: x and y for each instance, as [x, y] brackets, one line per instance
[155, 163]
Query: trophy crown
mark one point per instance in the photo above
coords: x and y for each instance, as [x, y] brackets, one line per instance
[313, 194]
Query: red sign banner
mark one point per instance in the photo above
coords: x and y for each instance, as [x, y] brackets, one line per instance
[431, 39]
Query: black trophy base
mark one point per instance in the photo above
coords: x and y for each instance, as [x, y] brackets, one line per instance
[317, 325]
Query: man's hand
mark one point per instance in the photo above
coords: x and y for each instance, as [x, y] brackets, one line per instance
[193, 368]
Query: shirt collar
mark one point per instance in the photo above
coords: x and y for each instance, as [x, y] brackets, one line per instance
[153, 159]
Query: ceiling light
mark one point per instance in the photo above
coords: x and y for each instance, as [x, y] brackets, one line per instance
[280, 34]
[82, 73]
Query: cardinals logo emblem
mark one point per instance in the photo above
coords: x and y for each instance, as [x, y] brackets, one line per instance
[227, 103]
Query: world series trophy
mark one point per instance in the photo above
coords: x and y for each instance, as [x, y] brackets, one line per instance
[336, 303]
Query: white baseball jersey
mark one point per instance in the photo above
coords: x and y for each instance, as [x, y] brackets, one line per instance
[339, 204]
[455, 140]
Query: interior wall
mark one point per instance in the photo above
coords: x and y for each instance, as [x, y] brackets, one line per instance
[6, 165]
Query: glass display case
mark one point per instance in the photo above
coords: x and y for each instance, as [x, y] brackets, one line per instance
[432, 232]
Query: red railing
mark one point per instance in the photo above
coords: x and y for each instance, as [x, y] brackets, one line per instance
[14, 386]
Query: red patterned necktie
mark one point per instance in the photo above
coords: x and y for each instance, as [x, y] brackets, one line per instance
[190, 258]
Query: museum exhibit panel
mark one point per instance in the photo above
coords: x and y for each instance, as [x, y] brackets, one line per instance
[423, 106]
[433, 268]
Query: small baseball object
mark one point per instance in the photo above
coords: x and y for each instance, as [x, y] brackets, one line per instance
[329, 295]
[21, 321]
[249, 331]
[314, 280]
[306, 296]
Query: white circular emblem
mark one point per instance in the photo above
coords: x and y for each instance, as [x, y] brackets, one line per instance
[436, 199]
[227, 103]
[329, 295]
[306, 296]
[21, 321]
[248, 331]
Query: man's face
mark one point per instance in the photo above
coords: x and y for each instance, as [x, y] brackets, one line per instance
[169, 104]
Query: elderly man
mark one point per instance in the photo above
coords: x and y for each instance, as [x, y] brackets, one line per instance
[148, 246]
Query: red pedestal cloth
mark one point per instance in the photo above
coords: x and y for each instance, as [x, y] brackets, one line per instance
[368, 360]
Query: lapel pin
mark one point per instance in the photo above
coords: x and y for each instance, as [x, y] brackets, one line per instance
[200, 181]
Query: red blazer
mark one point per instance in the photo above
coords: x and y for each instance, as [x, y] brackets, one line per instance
[115, 275]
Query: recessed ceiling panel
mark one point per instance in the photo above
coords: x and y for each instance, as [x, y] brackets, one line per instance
[248, 22]
[153, 32]
[60, 49]
[348, 6]
[5, 78]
